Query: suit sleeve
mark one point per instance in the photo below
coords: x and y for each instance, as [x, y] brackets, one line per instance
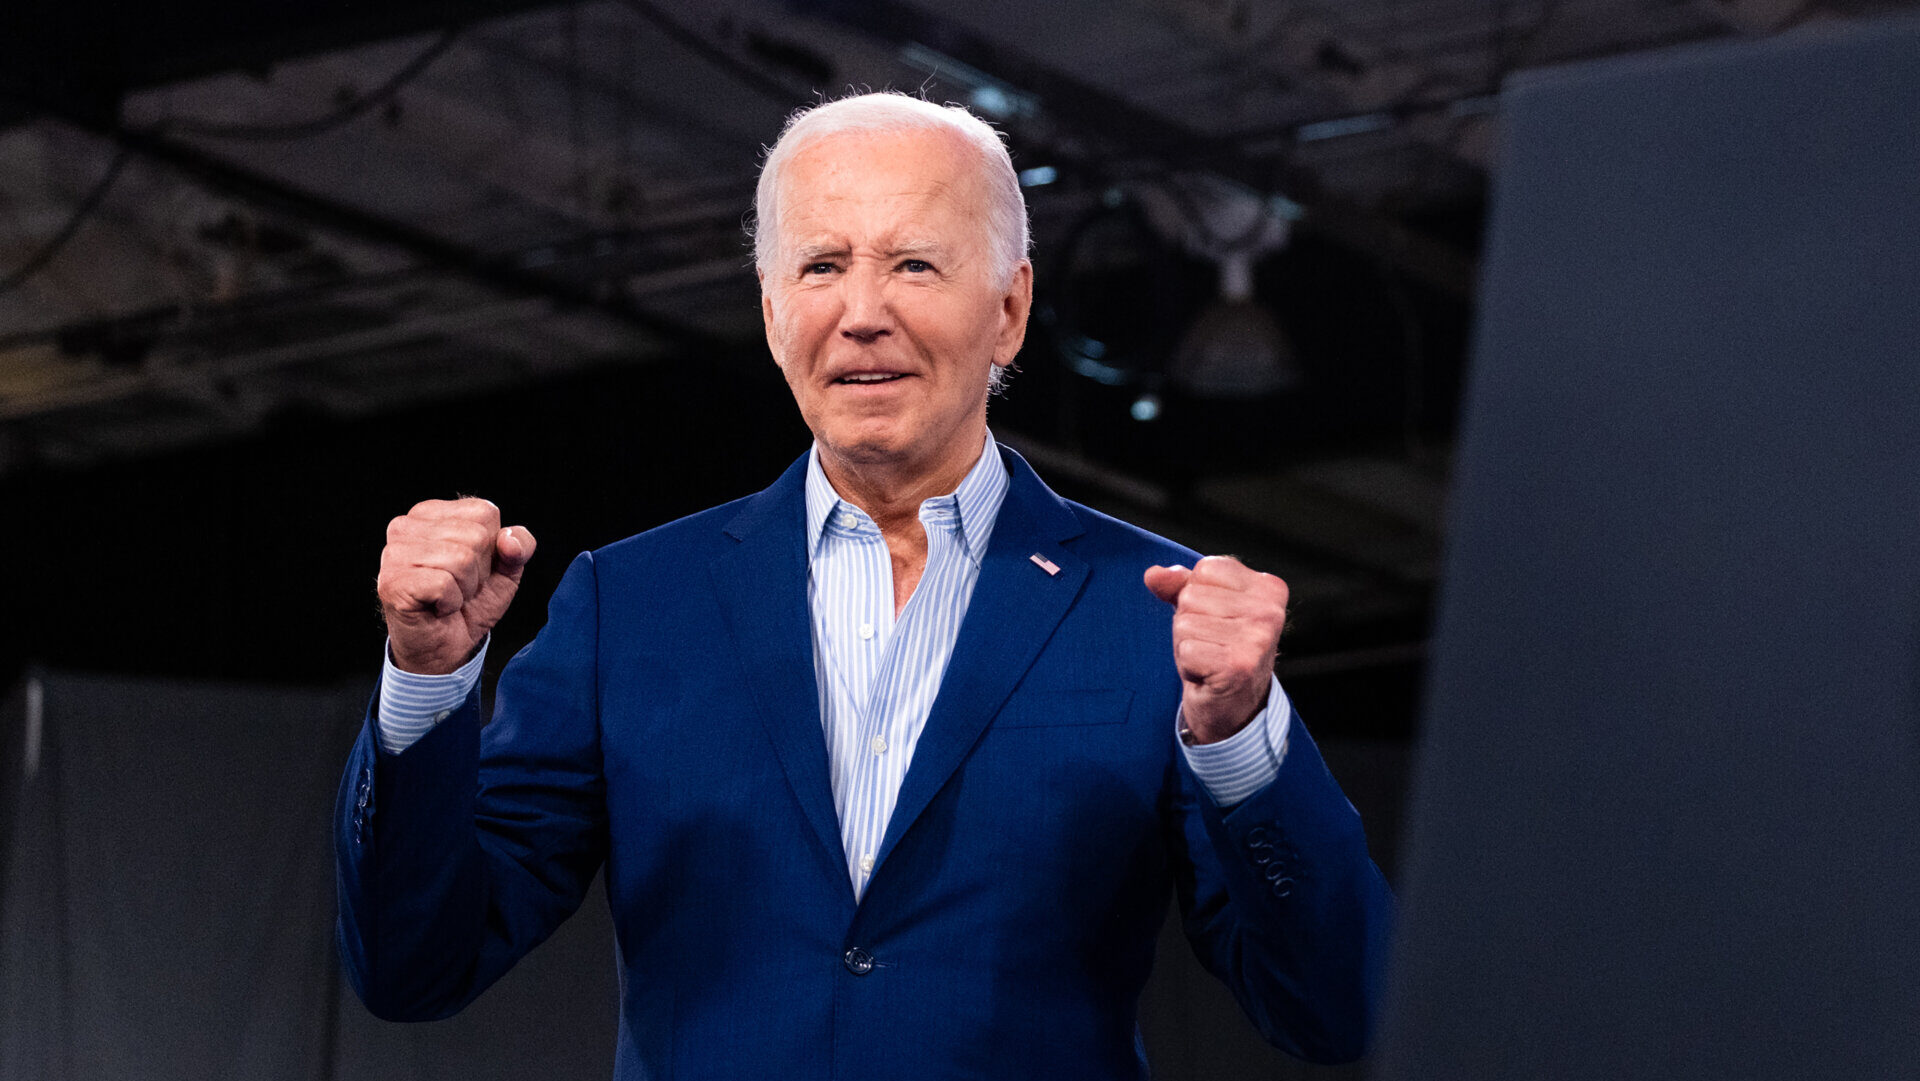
[1282, 902]
[466, 850]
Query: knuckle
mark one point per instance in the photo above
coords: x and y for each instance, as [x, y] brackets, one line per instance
[477, 509]
[451, 556]
[403, 588]
[469, 535]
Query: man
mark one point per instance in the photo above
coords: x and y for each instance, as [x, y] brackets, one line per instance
[891, 766]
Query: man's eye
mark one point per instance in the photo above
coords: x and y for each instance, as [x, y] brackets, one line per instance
[819, 268]
[916, 266]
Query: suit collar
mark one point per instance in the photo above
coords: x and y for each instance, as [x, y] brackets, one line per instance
[779, 505]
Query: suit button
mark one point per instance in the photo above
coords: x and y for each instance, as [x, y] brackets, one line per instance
[858, 961]
[1259, 835]
[1283, 887]
[1277, 871]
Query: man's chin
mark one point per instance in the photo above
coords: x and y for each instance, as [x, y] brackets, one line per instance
[868, 451]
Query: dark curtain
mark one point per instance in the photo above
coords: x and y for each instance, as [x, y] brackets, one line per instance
[168, 904]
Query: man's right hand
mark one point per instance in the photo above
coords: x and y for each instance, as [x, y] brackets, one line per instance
[447, 575]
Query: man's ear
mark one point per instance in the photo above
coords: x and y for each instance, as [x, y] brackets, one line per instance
[766, 314]
[1015, 306]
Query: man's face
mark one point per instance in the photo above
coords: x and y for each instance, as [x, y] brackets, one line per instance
[881, 306]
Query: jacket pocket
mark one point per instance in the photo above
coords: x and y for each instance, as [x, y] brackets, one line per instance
[1047, 709]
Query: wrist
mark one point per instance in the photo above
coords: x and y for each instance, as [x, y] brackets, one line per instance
[430, 662]
[1201, 731]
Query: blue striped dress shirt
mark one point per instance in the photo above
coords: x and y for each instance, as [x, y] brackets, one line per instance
[878, 675]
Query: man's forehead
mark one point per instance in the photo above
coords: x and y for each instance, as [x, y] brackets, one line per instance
[903, 166]
[922, 145]
[858, 200]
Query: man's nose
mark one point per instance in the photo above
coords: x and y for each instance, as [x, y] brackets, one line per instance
[867, 316]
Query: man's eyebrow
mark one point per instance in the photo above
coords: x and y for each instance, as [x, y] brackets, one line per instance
[807, 253]
[928, 247]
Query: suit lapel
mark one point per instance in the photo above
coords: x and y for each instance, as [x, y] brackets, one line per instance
[1015, 607]
[762, 587]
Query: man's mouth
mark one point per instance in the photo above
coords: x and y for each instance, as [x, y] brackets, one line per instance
[865, 378]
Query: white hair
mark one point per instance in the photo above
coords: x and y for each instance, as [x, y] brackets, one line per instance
[892, 111]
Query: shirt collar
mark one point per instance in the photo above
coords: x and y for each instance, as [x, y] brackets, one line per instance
[978, 500]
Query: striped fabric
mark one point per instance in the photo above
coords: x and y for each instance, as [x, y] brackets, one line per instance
[411, 704]
[1247, 761]
[878, 676]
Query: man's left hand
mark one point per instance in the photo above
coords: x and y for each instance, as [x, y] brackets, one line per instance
[1227, 619]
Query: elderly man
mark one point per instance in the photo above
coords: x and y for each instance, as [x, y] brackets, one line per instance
[892, 766]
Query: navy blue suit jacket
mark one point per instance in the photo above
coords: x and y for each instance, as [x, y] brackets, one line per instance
[665, 724]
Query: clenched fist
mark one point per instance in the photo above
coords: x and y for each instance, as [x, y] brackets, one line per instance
[447, 574]
[1226, 627]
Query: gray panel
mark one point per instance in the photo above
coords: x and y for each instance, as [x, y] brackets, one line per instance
[1664, 816]
[169, 902]
[166, 891]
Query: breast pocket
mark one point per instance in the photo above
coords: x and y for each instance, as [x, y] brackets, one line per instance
[1047, 709]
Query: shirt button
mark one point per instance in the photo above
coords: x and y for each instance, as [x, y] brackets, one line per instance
[858, 961]
[866, 863]
[866, 630]
[879, 745]
[442, 715]
[848, 520]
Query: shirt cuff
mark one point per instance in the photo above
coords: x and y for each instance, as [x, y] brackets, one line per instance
[411, 704]
[1247, 761]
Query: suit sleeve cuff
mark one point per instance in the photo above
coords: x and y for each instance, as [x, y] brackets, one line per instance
[411, 704]
[1247, 761]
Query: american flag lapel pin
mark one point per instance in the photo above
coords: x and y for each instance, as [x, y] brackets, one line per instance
[1044, 563]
